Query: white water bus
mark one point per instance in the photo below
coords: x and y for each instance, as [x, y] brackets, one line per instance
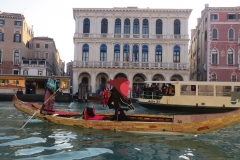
[191, 96]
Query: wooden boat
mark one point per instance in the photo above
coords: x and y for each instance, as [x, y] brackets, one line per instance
[193, 96]
[141, 123]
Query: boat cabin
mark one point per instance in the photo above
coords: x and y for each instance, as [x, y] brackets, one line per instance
[188, 88]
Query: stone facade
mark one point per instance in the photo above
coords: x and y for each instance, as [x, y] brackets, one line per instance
[215, 45]
[15, 35]
[138, 44]
[22, 53]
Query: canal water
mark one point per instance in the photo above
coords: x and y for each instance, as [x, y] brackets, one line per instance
[44, 141]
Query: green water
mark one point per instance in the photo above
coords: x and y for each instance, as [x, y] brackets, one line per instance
[41, 140]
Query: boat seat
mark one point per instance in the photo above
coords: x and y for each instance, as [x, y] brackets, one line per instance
[88, 117]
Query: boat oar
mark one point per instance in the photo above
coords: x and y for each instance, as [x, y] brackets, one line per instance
[40, 108]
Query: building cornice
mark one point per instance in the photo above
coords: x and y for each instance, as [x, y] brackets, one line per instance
[11, 15]
[128, 10]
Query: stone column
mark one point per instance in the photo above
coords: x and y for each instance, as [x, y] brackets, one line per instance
[131, 27]
[140, 53]
[75, 81]
[75, 52]
[140, 27]
[121, 52]
[122, 27]
[93, 82]
[130, 52]
[130, 78]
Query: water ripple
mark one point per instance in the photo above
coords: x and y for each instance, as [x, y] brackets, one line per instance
[71, 155]
[22, 142]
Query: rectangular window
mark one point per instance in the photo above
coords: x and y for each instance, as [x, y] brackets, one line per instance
[46, 45]
[214, 17]
[15, 72]
[2, 21]
[0, 56]
[238, 16]
[1, 36]
[37, 45]
[18, 23]
[16, 58]
[17, 38]
[40, 73]
[223, 91]
[231, 16]
[46, 55]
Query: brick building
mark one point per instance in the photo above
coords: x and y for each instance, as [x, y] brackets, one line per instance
[215, 45]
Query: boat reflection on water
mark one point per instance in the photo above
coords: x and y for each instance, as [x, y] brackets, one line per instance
[48, 141]
[41, 140]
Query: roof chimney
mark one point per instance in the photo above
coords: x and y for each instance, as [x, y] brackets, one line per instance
[206, 5]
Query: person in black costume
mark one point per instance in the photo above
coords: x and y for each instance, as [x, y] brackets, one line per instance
[119, 94]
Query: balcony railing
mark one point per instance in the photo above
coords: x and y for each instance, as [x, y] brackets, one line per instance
[114, 35]
[130, 64]
[35, 63]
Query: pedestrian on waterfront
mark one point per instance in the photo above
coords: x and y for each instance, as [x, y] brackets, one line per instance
[49, 93]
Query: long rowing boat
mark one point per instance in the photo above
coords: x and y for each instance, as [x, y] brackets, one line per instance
[143, 123]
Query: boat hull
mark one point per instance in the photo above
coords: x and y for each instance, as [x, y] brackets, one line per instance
[185, 108]
[142, 123]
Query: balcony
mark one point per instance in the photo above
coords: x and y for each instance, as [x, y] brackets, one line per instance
[35, 63]
[129, 65]
[134, 36]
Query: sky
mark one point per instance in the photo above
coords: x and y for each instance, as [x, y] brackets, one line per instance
[54, 18]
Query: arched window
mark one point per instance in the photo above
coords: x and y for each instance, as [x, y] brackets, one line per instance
[136, 26]
[16, 57]
[104, 26]
[144, 53]
[230, 56]
[231, 34]
[158, 53]
[214, 56]
[103, 52]
[126, 52]
[117, 53]
[176, 54]
[86, 25]
[214, 33]
[127, 26]
[85, 52]
[118, 26]
[17, 37]
[177, 25]
[1, 35]
[213, 77]
[234, 77]
[145, 28]
[135, 53]
[159, 26]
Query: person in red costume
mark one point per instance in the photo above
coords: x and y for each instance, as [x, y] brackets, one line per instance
[119, 94]
[106, 97]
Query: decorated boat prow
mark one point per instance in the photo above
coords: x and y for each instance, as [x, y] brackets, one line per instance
[141, 123]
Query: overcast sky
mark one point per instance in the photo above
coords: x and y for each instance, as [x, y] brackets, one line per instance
[54, 18]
